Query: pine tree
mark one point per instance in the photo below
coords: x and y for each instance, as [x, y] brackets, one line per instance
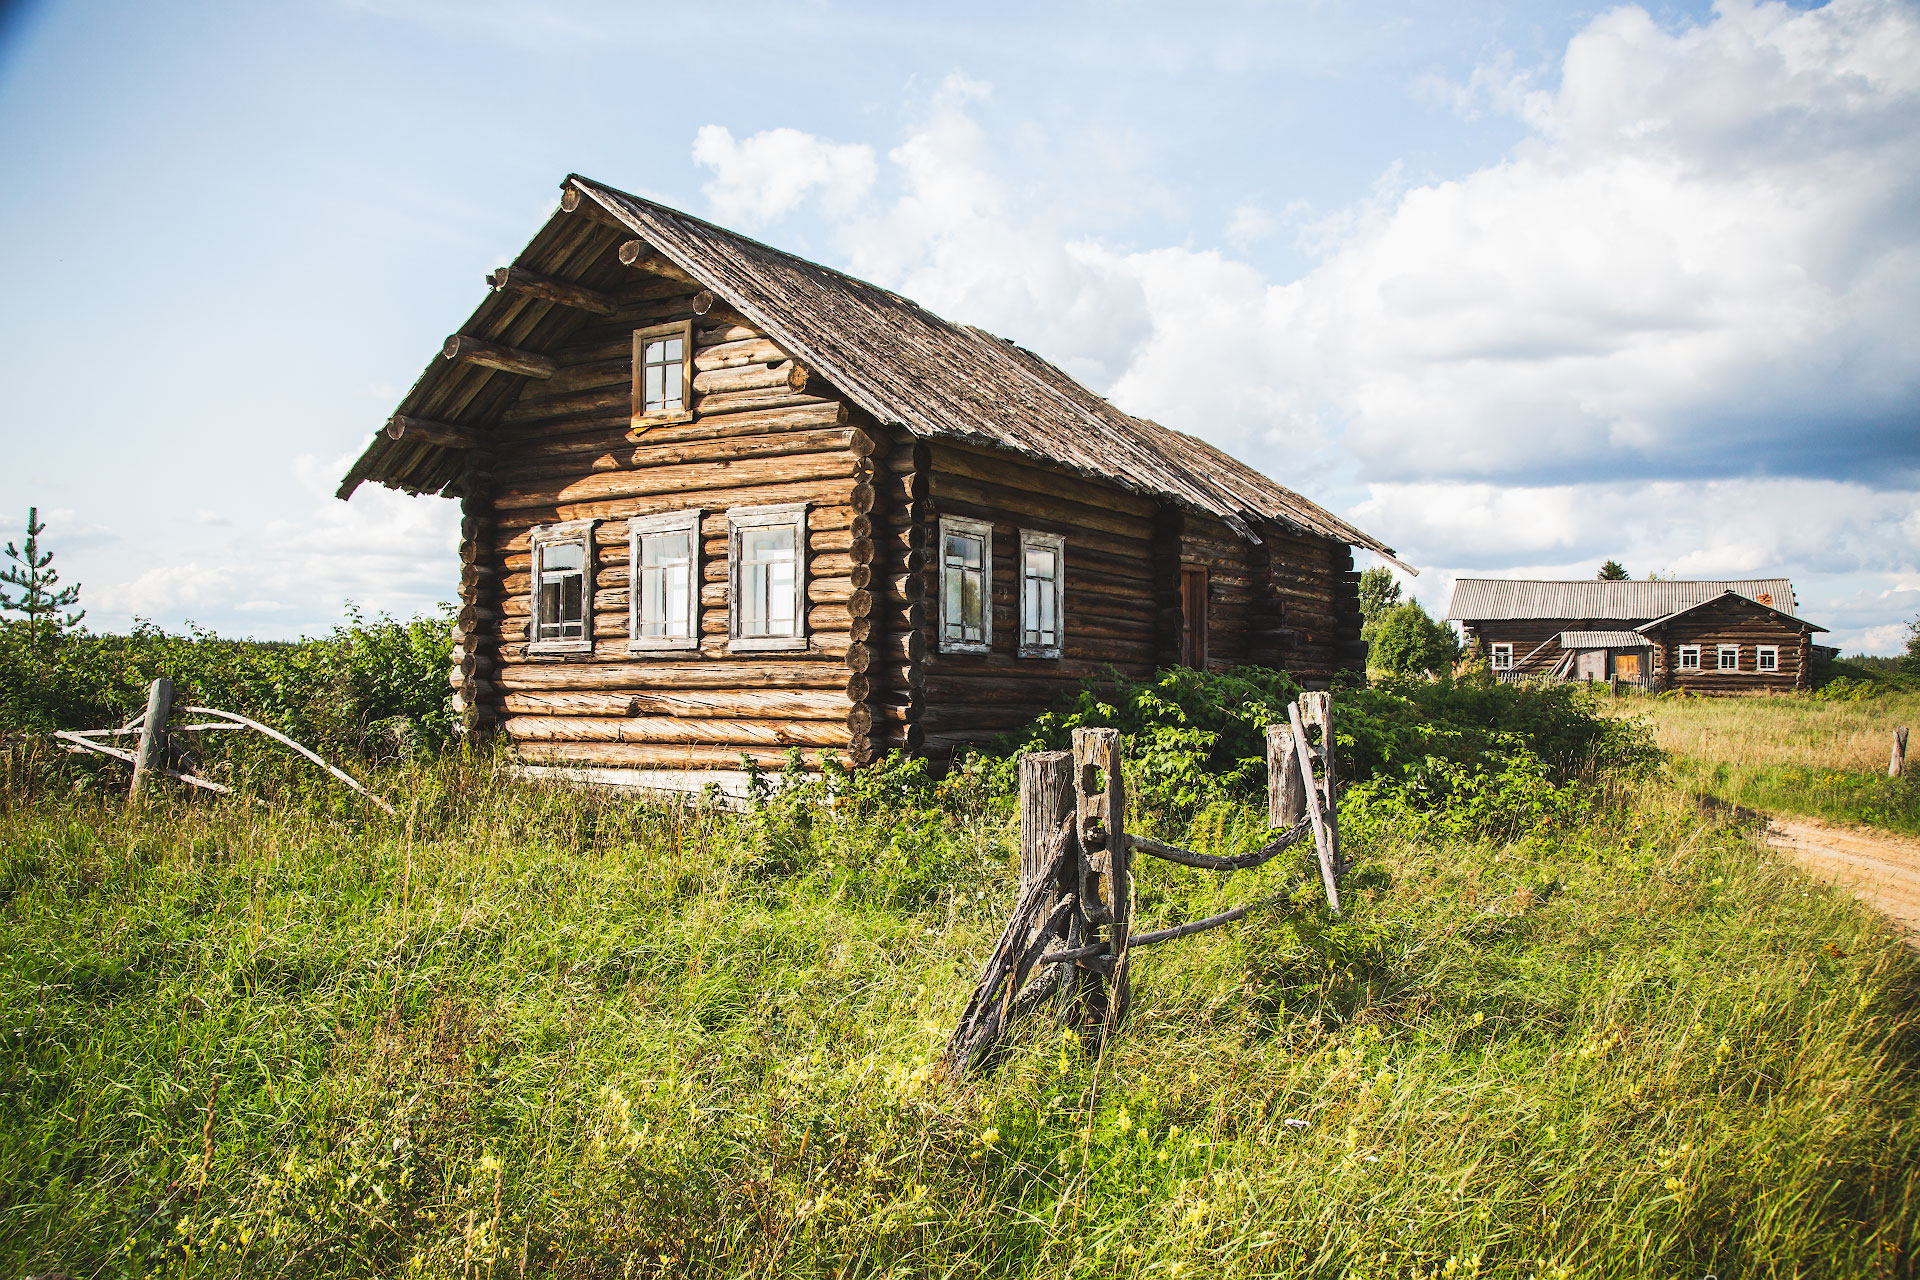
[1612, 571]
[40, 597]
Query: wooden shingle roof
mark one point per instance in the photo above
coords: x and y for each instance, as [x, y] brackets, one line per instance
[910, 369]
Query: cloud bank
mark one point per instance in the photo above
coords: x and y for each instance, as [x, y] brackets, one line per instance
[1674, 324]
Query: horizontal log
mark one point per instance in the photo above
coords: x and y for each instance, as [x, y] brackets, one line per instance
[634, 755]
[445, 435]
[641, 256]
[666, 730]
[534, 285]
[646, 453]
[754, 350]
[516, 523]
[753, 401]
[494, 355]
[672, 671]
[742, 703]
[746, 377]
[1039, 479]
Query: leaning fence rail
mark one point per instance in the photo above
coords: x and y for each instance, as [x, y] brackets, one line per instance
[1070, 936]
[156, 753]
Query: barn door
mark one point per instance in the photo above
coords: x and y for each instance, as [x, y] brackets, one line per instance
[1626, 666]
[1193, 616]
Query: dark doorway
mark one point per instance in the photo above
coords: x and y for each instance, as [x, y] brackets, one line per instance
[1193, 616]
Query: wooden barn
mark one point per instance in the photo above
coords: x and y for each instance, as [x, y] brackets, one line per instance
[718, 500]
[1707, 637]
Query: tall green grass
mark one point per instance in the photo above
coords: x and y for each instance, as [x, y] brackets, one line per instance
[522, 1030]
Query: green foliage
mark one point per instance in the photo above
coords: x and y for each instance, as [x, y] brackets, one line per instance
[1613, 571]
[1405, 641]
[1913, 647]
[1859, 678]
[373, 688]
[41, 597]
[524, 1029]
[1379, 592]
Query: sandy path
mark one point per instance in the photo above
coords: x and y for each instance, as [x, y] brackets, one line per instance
[1881, 870]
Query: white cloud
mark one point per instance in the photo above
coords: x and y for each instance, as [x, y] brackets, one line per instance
[1249, 225]
[768, 175]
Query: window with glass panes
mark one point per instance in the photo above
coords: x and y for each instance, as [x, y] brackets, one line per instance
[1689, 657]
[665, 555]
[1727, 657]
[662, 359]
[1766, 658]
[1043, 572]
[562, 586]
[966, 579]
[767, 546]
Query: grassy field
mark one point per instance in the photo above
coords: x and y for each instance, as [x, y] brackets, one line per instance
[520, 1031]
[1792, 754]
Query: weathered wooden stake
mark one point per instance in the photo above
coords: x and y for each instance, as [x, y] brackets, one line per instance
[1286, 793]
[1897, 762]
[1322, 838]
[1105, 881]
[151, 756]
[1318, 709]
[1046, 803]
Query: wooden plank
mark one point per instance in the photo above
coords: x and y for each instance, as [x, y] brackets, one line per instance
[150, 756]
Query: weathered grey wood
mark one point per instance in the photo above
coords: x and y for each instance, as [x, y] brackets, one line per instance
[1322, 842]
[1016, 950]
[1897, 762]
[1210, 922]
[1318, 708]
[1215, 862]
[421, 431]
[151, 755]
[534, 285]
[1286, 794]
[284, 740]
[497, 355]
[1102, 826]
[640, 255]
[1046, 800]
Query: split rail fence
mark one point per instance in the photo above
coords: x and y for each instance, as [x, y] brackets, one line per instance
[1070, 935]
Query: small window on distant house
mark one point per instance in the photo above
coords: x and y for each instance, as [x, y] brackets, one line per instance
[1503, 657]
[664, 598]
[1689, 657]
[562, 588]
[966, 585]
[1766, 658]
[1727, 657]
[1043, 584]
[662, 372]
[767, 551]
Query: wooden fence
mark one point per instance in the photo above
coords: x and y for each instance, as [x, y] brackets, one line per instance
[1070, 938]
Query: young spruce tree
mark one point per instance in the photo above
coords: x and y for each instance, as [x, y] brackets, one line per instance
[39, 593]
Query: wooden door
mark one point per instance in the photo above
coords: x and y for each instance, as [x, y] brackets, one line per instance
[1193, 616]
[1626, 666]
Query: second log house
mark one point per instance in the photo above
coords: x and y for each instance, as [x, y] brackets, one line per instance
[718, 500]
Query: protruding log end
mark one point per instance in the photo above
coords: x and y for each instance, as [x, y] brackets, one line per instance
[570, 200]
[632, 251]
[703, 302]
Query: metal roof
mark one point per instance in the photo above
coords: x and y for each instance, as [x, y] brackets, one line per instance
[1747, 601]
[891, 357]
[1603, 640]
[1490, 599]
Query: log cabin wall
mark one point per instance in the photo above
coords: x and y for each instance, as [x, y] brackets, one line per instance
[1306, 621]
[562, 453]
[1739, 623]
[1535, 650]
[1111, 600]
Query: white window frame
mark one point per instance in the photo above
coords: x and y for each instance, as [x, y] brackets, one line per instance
[982, 529]
[1766, 659]
[642, 416]
[1056, 543]
[687, 522]
[1720, 652]
[739, 518]
[1500, 655]
[1688, 651]
[567, 533]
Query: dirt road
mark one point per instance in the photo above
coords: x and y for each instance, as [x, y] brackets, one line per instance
[1879, 869]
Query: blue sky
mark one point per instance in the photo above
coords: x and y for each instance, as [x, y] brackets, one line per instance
[1515, 288]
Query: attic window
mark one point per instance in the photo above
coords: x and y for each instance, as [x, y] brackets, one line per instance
[966, 585]
[662, 372]
[562, 588]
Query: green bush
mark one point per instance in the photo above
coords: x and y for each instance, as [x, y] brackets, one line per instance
[372, 689]
[1405, 641]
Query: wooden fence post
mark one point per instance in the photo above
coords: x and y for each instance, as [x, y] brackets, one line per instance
[1897, 762]
[1046, 804]
[152, 753]
[1105, 882]
[1318, 709]
[1286, 792]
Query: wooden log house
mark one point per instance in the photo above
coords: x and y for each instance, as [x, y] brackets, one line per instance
[1710, 637]
[721, 501]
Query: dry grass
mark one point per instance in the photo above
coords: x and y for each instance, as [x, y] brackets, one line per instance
[1782, 732]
